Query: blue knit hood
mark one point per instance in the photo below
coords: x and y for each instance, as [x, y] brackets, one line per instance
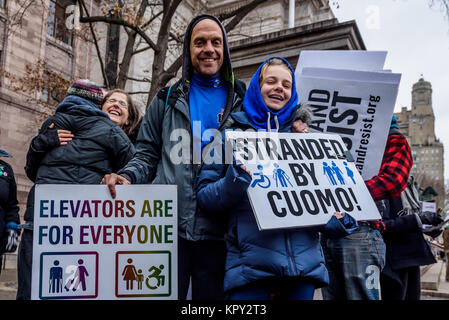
[394, 122]
[259, 114]
[77, 103]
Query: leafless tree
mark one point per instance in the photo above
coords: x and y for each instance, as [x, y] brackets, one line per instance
[151, 25]
[155, 27]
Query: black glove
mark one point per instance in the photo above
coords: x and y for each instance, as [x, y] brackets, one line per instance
[434, 233]
[45, 140]
[431, 218]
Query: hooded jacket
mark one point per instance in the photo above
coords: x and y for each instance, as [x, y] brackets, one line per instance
[9, 209]
[100, 147]
[164, 145]
[254, 254]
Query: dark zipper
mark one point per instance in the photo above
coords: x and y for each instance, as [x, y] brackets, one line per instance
[289, 253]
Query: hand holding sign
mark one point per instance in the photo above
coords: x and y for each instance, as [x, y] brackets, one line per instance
[111, 180]
[243, 167]
[339, 215]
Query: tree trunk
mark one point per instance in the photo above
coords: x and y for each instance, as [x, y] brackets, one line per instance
[127, 56]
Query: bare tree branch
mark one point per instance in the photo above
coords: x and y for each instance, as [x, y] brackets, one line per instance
[127, 56]
[119, 21]
[138, 92]
[241, 13]
[92, 31]
[154, 17]
[172, 70]
[148, 80]
[141, 50]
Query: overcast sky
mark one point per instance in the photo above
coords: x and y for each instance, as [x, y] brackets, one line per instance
[417, 40]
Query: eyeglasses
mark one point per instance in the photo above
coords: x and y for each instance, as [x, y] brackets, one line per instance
[121, 103]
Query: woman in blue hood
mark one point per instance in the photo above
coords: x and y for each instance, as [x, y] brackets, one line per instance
[260, 265]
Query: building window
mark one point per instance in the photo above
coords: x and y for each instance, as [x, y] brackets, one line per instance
[57, 18]
[2, 4]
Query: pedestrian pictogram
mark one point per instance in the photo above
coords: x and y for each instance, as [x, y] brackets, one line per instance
[68, 275]
[335, 175]
[282, 176]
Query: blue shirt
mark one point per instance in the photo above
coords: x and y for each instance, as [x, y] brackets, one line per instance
[207, 101]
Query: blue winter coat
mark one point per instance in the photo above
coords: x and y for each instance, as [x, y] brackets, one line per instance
[254, 254]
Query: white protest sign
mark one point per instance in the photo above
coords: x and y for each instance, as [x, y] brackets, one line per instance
[341, 59]
[428, 206]
[300, 179]
[87, 245]
[355, 75]
[357, 105]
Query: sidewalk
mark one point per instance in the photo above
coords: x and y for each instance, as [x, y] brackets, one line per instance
[8, 283]
[8, 277]
[433, 282]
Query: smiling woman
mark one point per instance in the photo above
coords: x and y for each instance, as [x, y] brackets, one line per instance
[122, 111]
[275, 83]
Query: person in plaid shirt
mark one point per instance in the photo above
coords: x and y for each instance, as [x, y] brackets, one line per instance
[394, 171]
[382, 254]
[355, 261]
[406, 248]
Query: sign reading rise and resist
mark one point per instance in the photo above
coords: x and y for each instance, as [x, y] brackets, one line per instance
[87, 245]
[300, 179]
[352, 97]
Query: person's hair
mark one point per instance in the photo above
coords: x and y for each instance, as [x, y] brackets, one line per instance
[134, 119]
[269, 63]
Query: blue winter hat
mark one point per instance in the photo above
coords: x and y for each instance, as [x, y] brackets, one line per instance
[3, 153]
[394, 122]
[256, 108]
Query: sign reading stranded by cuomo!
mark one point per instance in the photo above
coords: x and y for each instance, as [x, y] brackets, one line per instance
[87, 245]
[300, 180]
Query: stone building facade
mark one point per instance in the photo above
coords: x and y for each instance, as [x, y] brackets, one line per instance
[34, 39]
[418, 125]
[263, 33]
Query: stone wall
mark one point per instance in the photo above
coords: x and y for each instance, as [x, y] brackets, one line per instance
[20, 115]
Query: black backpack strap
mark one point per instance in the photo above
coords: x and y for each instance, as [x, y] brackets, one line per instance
[240, 88]
[164, 94]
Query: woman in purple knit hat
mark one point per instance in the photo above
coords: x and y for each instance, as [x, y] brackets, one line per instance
[95, 146]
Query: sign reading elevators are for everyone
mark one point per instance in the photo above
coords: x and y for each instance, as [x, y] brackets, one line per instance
[300, 180]
[87, 245]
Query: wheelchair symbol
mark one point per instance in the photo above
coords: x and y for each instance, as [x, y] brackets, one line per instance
[155, 273]
[262, 181]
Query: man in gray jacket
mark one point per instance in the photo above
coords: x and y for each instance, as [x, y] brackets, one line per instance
[169, 149]
[176, 128]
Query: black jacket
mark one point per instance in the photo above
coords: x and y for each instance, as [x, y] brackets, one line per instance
[99, 147]
[9, 209]
[405, 243]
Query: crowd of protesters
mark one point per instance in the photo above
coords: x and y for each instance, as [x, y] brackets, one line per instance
[97, 136]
